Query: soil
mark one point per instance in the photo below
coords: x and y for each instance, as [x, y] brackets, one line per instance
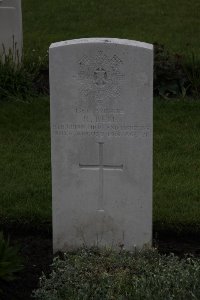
[36, 250]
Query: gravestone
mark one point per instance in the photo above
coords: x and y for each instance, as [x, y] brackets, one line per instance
[101, 139]
[11, 28]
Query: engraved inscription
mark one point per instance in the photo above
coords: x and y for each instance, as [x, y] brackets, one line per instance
[100, 114]
[102, 110]
[114, 130]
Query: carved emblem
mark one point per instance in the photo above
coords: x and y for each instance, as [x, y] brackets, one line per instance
[99, 77]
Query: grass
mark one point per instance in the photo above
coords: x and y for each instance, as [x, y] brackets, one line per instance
[25, 193]
[25, 171]
[177, 166]
[174, 23]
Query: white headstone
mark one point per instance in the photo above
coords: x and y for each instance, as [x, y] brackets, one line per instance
[101, 134]
[11, 28]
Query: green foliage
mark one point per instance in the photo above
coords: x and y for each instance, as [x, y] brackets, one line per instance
[169, 77]
[173, 26]
[191, 67]
[176, 75]
[105, 274]
[20, 80]
[10, 261]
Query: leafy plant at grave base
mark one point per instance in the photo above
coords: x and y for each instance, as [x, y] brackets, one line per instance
[170, 79]
[10, 261]
[105, 274]
[22, 79]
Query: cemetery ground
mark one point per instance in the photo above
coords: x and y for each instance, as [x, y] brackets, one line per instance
[25, 169]
[25, 207]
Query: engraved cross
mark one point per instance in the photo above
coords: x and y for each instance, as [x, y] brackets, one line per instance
[101, 167]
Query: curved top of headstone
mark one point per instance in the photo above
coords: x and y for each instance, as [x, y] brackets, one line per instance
[103, 41]
[12, 3]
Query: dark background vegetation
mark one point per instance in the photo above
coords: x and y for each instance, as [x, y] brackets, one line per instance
[25, 170]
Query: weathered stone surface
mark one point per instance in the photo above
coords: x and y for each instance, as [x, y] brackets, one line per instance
[11, 28]
[101, 133]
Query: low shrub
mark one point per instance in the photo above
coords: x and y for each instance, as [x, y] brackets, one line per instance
[104, 274]
[23, 78]
[10, 261]
[174, 75]
[169, 77]
[191, 67]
